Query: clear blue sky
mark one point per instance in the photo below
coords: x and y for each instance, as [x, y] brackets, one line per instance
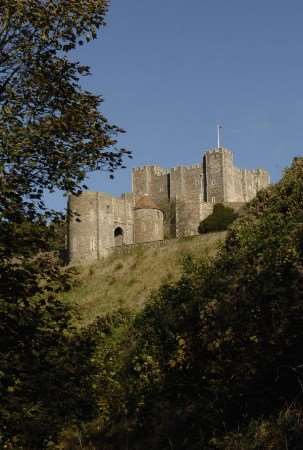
[170, 70]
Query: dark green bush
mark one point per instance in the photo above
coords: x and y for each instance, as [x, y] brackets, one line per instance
[224, 344]
[214, 361]
[219, 220]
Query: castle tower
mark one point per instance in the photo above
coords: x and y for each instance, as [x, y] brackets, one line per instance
[148, 221]
[83, 229]
[224, 182]
[99, 222]
[151, 180]
[217, 168]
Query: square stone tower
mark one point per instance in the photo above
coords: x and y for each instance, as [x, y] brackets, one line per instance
[185, 194]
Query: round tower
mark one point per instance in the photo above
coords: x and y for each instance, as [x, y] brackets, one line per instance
[148, 221]
[83, 227]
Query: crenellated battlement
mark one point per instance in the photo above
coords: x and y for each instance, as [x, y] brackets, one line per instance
[157, 170]
[219, 150]
[191, 167]
[189, 191]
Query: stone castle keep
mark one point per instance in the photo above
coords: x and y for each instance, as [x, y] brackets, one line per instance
[163, 203]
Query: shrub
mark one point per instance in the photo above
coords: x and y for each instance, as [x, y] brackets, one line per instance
[214, 361]
[219, 220]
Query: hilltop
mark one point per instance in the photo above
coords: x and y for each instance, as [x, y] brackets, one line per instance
[162, 202]
[127, 280]
[214, 359]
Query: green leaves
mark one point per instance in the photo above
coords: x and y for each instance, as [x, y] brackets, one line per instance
[51, 131]
[51, 134]
[219, 220]
[217, 361]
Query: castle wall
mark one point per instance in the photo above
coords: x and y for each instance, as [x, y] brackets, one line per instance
[226, 183]
[148, 225]
[114, 213]
[151, 180]
[253, 181]
[244, 184]
[188, 214]
[185, 179]
[95, 217]
[191, 211]
[186, 194]
[82, 233]
[238, 186]
[213, 166]
[206, 209]
[230, 191]
[163, 184]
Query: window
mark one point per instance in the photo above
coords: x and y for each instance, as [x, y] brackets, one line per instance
[93, 245]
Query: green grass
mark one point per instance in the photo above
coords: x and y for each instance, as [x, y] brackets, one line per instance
[128, 280]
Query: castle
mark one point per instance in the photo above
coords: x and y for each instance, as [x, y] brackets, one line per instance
[163, 203]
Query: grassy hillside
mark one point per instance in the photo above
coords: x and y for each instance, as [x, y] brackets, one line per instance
[127, 280]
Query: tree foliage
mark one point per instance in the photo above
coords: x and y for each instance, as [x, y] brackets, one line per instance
[213, 361]
[219, 220]
[217, 360]
[51, 130]
[51, 134]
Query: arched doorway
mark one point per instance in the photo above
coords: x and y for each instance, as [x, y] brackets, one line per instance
[118, 234]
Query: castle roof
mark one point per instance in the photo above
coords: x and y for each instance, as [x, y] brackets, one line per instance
[146, 202]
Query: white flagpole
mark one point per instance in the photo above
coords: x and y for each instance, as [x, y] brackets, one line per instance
[218, 135]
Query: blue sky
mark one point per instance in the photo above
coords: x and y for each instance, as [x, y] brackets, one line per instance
[170, 70]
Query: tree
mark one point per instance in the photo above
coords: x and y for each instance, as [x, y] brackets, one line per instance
[51, 134]
[51, 131]
[219, 220]
[216, 362]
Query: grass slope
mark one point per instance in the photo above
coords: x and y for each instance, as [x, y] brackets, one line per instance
[127, 280]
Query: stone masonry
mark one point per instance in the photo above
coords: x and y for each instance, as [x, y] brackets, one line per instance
[176, 199]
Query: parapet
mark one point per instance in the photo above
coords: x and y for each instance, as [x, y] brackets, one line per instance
[255, 172]
[86, 197]
[191, 167]
[219, 150]
[157, 170]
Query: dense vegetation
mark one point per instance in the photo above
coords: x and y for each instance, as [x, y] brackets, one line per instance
[219, 220]
[127, 279]
[51, 133]
[214, 360]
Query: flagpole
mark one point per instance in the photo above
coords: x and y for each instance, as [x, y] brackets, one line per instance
[218, 135]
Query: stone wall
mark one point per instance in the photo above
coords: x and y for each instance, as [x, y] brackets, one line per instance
[214, 162]
[95, 217]
[148, 225]
[114, 213]
[206, 209]
[185, 194]
[82, 233]
[191, 211]
[128, 249]
[163, 184]
[188, 214]
[253, 181]
[228, 177]
[184, 180]
[244, 184]
[152, 180]
[224, 182]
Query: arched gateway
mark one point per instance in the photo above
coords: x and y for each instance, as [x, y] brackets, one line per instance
[118, 234]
